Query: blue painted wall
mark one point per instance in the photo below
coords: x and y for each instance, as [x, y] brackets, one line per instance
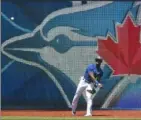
[25, 86]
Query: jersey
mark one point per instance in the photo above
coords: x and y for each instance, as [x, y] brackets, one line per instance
[96, 71]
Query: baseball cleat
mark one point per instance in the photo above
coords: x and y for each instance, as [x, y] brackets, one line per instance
[87, 115]
[73, 112]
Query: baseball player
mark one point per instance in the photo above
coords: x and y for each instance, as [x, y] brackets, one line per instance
[88, 82]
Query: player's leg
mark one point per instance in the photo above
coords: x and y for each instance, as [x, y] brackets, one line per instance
[89, 96]
[81, 87]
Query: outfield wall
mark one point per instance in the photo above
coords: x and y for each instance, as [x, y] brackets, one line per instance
[46, 47]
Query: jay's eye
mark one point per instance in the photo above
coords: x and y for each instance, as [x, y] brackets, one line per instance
[62, 43]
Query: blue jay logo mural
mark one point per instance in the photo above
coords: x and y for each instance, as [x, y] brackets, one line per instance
[61, 46]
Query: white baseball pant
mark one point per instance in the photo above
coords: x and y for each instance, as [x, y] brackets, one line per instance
[83, 86]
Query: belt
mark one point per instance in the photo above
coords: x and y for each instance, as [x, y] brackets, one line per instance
[86, 80]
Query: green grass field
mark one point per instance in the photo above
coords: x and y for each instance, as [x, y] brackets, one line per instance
[63, 118]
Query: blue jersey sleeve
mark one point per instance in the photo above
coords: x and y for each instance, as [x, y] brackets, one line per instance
[90, 69]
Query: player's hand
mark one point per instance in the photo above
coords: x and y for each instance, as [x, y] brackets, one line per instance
[100, 85]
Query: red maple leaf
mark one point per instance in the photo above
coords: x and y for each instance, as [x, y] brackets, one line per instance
[123, 56]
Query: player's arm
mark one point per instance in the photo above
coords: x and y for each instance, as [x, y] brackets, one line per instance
[91, 74]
